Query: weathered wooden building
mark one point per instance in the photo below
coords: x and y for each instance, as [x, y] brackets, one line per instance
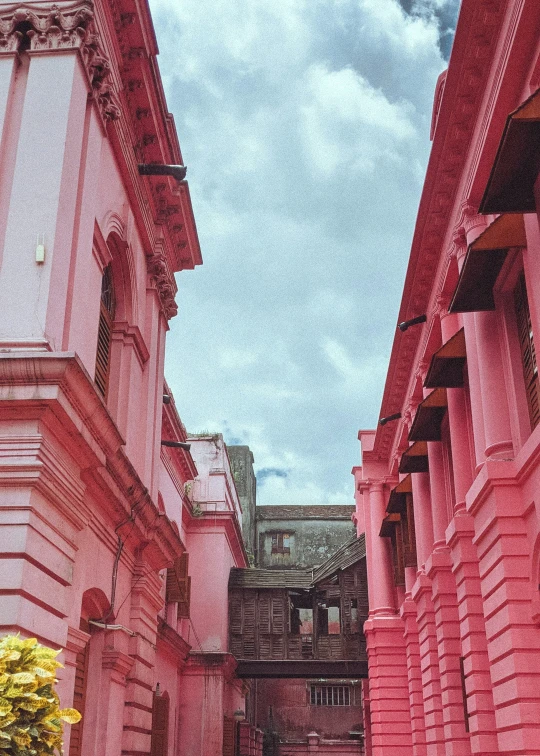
[301, 623]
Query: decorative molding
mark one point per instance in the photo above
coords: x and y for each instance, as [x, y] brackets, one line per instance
[69, 28]
[479, 28]
[163, 280]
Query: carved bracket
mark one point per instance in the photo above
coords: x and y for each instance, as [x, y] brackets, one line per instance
[72, 28]
[164, 282]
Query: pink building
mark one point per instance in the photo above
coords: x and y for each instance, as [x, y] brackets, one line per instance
[101, 499]
[448, 490]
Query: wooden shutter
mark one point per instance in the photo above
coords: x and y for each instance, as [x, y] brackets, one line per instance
[103, 350]
[160, 725]
[178, 586]
[410, 534]
[398, 555]
[79, 700]
[229, 737]
[249, 629]
[528, 353]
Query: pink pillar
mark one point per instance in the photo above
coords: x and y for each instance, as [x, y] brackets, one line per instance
[495, 404]
[480, 707]
[475, 227]
[460, 432]
[381, 600]
[423, 519]
[384, 630]
[437, 485]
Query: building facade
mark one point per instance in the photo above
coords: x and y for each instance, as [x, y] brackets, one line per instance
[300, 535]
[116, 533]
[448, 490]
[296, 629]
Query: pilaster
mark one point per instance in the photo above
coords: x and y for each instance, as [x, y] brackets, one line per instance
[479, 694]
[388, 686]
[412, 646]
[439, 570]
[429, 665]
[496, 503]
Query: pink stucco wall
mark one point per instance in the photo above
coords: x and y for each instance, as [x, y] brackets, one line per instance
[93, 509]
[454, 652]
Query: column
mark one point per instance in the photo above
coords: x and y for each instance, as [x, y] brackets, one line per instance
[384, 630]
[460, 432]
[437, 484]
[498, 435]
[382, 600]
[423, 519]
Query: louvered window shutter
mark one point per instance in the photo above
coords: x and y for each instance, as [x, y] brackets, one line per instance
[528, 353]
[160, 725]
[229, 737]
[178, 587]
[106, 317]
[79, 699]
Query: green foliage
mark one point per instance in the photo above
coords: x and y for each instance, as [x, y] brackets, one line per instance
[30, 717]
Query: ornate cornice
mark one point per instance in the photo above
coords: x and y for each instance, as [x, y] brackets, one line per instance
[70, 28]
[478, 30]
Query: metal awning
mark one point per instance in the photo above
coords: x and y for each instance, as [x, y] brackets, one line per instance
[446, 367]
[483, 262]
[398, 496]
[429, 415]
[510, 188]
[415, 458]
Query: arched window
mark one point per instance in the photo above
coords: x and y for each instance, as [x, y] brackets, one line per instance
[106, 318]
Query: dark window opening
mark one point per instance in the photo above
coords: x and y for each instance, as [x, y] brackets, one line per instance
[328, 617]
[281, 543]
[301, 614]
[528, 352]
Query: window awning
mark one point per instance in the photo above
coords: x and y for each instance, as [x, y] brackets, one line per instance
[398, 496]
[483, 262]
[388, 525]
[414, 459]
[446, 367]
[510, 188]
[429, 415]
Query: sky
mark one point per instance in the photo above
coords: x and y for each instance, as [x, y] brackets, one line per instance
[305, 128]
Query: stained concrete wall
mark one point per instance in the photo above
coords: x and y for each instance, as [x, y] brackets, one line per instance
[315, 533]
[283, 706]
[241, 459]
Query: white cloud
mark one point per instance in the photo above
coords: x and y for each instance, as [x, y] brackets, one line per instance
[305, 128]
[347, 122]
